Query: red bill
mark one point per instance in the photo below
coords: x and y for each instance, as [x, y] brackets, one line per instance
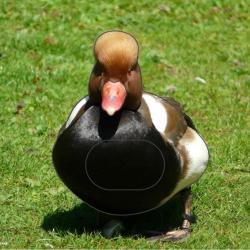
[113, 97]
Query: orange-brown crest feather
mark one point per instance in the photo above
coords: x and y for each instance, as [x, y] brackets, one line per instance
[116, 50]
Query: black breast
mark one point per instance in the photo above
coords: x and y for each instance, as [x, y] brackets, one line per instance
[116, 164]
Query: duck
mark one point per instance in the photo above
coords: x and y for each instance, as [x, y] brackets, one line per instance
[123, 150]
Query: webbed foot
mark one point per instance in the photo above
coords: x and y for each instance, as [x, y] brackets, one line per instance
[172, 236]
[112, 229]
[184, 232]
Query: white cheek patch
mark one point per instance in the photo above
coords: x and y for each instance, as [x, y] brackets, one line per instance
[75, 110]
[157, 111]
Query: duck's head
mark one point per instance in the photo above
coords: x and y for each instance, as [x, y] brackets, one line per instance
[115, 81]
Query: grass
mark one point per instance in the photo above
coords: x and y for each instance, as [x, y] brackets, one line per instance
[45, 61]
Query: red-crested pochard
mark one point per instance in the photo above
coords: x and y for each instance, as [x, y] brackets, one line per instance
[125, 151]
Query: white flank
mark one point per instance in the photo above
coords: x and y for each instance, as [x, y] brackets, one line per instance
[197, 153]
[75, 110]
[157, 112]
[198, 157]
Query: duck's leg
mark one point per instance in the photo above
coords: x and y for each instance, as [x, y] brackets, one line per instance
[188, 218]
[111, 226]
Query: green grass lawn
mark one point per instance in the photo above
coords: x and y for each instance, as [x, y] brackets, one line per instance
[45, 61]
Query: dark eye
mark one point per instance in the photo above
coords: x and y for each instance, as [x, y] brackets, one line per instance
[98, 69]
[132, 68]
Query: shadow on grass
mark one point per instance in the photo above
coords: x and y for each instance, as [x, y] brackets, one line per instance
[80, 219]
[83, 219]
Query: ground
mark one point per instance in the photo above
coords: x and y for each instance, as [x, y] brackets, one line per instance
[195, 51]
